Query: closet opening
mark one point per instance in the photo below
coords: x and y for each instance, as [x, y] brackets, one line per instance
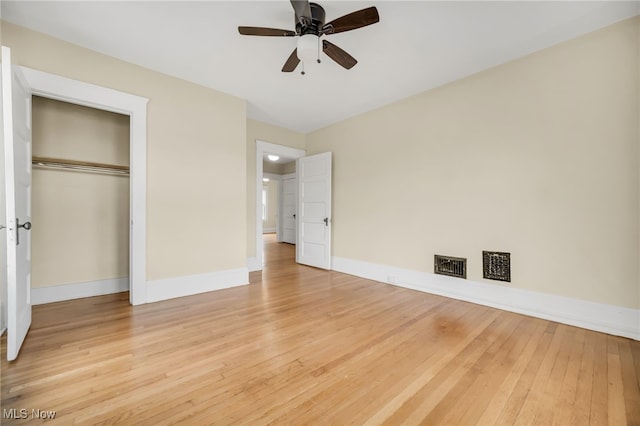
[80, 201]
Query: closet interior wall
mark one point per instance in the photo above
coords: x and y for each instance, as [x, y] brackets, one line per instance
[80, 218]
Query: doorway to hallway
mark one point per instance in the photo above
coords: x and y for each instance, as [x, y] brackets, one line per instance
[276, 253]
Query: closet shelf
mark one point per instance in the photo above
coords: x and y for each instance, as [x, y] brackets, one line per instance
[82, 166]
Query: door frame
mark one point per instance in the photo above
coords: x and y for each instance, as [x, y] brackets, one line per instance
[85, 94]
[263, 148]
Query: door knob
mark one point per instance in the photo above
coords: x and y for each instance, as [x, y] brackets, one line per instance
[326, 221]
[26, 226]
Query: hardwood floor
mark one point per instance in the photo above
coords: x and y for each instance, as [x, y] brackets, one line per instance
[305, 346]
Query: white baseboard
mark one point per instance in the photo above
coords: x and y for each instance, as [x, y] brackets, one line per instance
[616, 320]
[58, 293]
[253, 264]
[170, 288]
[268, 230]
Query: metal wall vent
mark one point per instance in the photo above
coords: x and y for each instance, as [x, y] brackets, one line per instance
[496, 265]
[452, 266]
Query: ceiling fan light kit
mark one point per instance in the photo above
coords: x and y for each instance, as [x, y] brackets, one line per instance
[310, 27]
[307, 49]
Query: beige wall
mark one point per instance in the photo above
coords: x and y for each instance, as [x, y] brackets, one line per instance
[196, 139]
[278, 168]
[74, 132]
[289, 167]
[80, 220]
[271, 167]
[257, 130]
[538, 157]
[272, 204]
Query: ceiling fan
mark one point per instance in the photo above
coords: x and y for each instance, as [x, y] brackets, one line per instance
[310, 27]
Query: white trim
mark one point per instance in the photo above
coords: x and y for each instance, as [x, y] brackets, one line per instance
[278, 228]
[58, 293]
[268, 230]
[253, 265]
[170, 288]
[263, 148]
[616, 320]
[274, 176]
[77, 92]
[271, 176]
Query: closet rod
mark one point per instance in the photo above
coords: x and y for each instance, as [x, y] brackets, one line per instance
[86, 166]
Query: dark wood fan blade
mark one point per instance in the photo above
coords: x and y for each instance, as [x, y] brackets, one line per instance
[270, 32]
[302, 9]
[292, 62]
[352, 21]
[338, 55]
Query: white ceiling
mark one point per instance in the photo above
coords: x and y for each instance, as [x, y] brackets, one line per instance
[281, 160]
[417, 45]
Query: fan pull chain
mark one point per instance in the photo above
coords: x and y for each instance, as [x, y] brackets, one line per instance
[302, 68]
[318, 49]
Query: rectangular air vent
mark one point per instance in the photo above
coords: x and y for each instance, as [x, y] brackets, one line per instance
[452, 266]
[496, 265]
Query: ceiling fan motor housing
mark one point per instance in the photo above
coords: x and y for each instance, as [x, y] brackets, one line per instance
[317, 21]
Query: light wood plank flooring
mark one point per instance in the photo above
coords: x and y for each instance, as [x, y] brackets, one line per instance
[306, 346]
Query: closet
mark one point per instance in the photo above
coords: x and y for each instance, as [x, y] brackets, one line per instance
[80, 197]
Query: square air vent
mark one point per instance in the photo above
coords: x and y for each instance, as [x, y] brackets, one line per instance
[496, 265]
[452, 266]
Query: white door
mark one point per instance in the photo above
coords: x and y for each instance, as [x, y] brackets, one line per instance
[314, 211]
[288, 211]
[3, 223]
[16, 117]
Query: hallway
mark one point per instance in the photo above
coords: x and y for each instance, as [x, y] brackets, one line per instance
[276, 254]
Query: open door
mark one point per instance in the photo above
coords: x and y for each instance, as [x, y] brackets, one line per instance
[314, 209]
[16, 117]
[288, 197]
